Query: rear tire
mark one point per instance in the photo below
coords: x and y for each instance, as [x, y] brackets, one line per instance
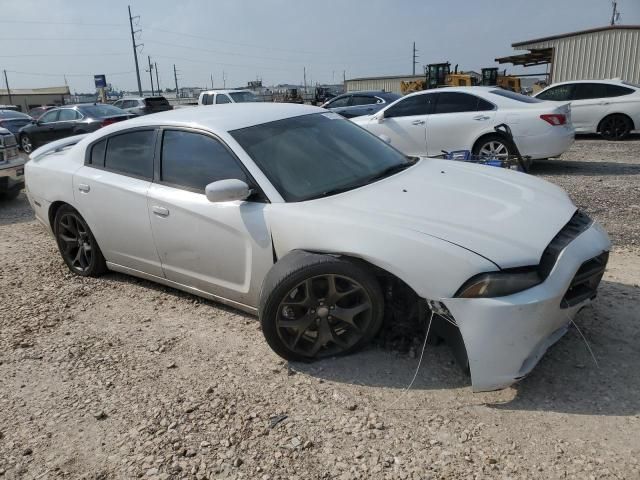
[77, 245]
[615, 127]
[315, 306]
[493, 146]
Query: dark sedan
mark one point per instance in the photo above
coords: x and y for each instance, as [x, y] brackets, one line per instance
[356, 104]
[67, 121]
[14, 121]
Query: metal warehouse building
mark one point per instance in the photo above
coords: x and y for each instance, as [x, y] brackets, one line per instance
[28, 98]
[388, 84]
[596, 54]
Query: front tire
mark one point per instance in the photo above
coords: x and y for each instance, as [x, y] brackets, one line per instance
[76, 243]
[26, 143]
[615, 127]
[315, 306]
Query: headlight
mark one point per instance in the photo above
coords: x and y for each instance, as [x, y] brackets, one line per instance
[499, 284]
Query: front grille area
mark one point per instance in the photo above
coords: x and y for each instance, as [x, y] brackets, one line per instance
[585, 283]
[579, 222]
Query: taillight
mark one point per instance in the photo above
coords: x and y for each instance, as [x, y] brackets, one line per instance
[108, 121]
[554, 119]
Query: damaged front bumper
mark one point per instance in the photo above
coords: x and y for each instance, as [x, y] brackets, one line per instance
[505, 337]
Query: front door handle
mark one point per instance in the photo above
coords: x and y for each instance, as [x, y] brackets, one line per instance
[160, 211]
[481, 117]
[84, 188]
[418, 122]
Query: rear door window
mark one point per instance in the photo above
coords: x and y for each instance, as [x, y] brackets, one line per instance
[67, 115]
[222, 98]
[193, 160]
[131, 153]
[363, 100]
[410, 106]
[457, 102]
[588, 91]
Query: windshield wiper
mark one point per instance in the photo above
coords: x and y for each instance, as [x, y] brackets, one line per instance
[378, 176]
[387, 172]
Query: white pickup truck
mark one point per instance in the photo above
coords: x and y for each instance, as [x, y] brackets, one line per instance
[11, 166]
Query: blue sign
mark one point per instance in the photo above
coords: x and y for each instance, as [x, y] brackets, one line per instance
[100, 81]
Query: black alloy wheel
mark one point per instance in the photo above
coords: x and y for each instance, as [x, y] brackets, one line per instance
[77, 244]
[615, 127]
[324, 315]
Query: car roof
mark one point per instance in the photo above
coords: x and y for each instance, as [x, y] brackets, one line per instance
[612, 81]
[221, 118]
[225, 91]
[12, 113]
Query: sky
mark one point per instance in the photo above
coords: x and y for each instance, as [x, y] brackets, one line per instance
[274, 40]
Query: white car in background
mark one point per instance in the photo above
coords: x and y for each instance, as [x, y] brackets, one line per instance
[217, 97]
[448, 119]
[300, 216]
[608, 107]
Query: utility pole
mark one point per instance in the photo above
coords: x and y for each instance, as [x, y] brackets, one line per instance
[135, 49]
[151, 74]
[212, 81]
[615, 15]
[175, 77]
[224, 79]
[414, 57]
[155, 66]
[8, 89]
[304, 76]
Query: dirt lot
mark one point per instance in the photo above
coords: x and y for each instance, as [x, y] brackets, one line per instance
[120, 378]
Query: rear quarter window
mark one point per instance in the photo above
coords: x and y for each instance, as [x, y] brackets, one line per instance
[618, 90]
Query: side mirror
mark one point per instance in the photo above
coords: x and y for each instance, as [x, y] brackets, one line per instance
[227, 191]
[380, 117]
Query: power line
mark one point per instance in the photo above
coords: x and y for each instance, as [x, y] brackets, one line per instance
[62, 55]
[49, 22]
[67, 74]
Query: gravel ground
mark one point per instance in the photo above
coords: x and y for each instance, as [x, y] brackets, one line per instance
[120, 378]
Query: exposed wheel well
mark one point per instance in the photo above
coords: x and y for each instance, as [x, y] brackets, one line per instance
[487, 135]
[633, 127]
[53, 209]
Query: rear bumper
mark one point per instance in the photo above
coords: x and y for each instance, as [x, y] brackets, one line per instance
[553, 143]
[505, 337]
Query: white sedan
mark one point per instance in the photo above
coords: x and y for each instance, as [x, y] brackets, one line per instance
[608, 107]
[300, 216]
[464, 118]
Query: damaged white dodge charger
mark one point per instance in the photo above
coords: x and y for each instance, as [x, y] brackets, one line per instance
[323, 230]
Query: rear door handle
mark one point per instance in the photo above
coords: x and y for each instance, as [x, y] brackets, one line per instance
[481, 117]
[83, 187]
[417, 122]
[160, 211]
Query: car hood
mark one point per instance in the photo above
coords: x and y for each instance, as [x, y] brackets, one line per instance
[505, 216]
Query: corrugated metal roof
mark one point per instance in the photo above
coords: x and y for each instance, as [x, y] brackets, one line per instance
[573, 34]
[38, 91]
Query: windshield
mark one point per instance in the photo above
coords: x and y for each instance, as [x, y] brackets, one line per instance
[100, 111]
[242, 97]
[318, 155]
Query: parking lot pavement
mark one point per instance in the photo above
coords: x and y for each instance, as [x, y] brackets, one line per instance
[118, 378]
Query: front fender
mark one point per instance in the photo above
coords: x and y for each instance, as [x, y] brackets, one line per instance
[432, 267]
